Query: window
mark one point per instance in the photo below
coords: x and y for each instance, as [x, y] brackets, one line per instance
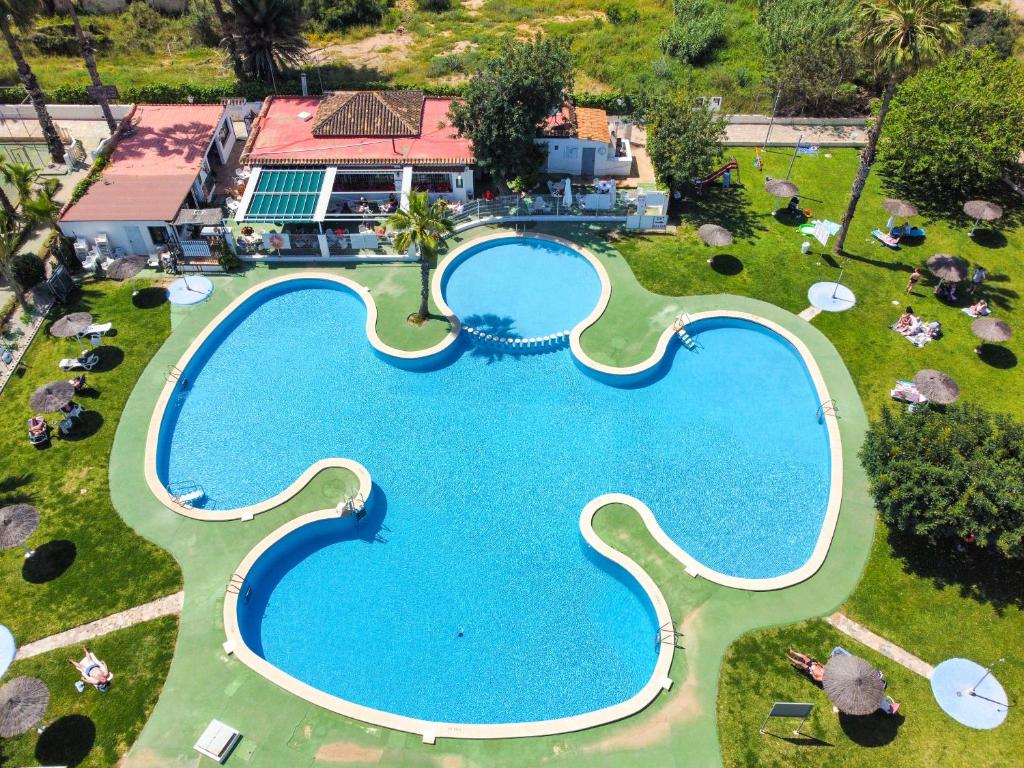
[458, 181]
[225, 131]
[158, 235]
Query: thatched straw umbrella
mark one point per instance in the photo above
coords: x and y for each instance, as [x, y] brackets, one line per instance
[17, 523]
[23, 702]
[899, 207]
[712, 234]
[982, 210]
[952, 269]
[990, 329]
[781, 188]
[853, 685]
[937, 386]
[71, 325]
[52, 397]
[126, 267]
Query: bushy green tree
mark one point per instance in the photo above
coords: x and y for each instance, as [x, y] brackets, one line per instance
[684, 141]
[950, 475]
[898, 38]
[954, 129]
[992, 26]
[507, 101]
[699, 28]
[809, 48]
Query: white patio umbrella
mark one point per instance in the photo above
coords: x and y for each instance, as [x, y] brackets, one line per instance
[567, 194]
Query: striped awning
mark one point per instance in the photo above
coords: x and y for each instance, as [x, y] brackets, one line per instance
[282, 195]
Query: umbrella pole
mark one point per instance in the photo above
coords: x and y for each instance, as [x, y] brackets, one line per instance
[988, 671]
[793, 159]
[971, 233]
[28, 552]
[839, 280]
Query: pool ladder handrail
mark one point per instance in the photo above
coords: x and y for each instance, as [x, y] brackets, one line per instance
[687, 340]
[235, 585]
[184, 492]
[173, 373]
[667, 633]
[828, 408]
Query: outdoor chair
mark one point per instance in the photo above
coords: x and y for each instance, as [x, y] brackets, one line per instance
[66, 426]
[85, 362]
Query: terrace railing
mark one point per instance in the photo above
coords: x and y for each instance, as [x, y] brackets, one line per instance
[548, 206]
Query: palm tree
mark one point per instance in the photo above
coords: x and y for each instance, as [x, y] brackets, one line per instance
[421, 228]
[21, 176]
[85, 44]
[898, 37]
[227, 30]
[268, 35]
[41, 208]
[5, 204]
[10, 240]
[20, 13]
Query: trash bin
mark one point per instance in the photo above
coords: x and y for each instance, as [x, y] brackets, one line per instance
[805, 247]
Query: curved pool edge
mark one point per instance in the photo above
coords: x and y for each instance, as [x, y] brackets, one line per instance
[429, 730]
[381, 347]
[634, 372]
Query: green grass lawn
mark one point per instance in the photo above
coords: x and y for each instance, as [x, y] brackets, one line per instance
[88, 563]
[94, 728]
[755, 673]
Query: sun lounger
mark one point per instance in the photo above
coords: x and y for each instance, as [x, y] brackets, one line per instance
[886, 239]
[907, 231]
[983, 313]
[84, 362]
[65, 426]
[95, 332]
[37, 438]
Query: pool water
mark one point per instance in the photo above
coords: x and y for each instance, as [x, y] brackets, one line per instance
[468, 594]
[523, 289]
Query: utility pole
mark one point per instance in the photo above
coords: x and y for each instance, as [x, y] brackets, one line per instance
[99, 91]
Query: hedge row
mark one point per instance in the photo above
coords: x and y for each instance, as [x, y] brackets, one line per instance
[212, 94]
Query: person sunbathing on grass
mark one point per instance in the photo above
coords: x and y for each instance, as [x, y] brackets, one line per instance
[814, 669]
[93, 670]
[979, 309]
[906, 320]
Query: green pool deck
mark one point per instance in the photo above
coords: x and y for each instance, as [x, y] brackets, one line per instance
[279, 729]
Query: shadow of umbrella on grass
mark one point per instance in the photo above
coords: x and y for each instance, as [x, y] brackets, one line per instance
[66, 741]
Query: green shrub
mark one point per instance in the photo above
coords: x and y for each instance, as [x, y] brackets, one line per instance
[203, 27]
[328, 15]
[949, 475]
[28, 270]
[618, 13]
[991, 26]
[698, 30]
[446, 64]
[228, 260]
[58, 38]
[438, 6]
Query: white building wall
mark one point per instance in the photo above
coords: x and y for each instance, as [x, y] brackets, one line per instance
[566, 156]
[117, 233]
[224, 147]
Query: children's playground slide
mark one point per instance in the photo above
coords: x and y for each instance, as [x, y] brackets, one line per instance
[732, 165]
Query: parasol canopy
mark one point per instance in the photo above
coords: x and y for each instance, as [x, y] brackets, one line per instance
[983, 210]
[899, 207]
[946, 267]
[126, 267]
[781, 188]
[52, 397]
[71, 325]
[990, 329]
[712, 234]
[23, 703]
[937, 386]
[853, 685]
[17, 523]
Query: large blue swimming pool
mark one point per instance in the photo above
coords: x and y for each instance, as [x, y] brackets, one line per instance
[481, 468]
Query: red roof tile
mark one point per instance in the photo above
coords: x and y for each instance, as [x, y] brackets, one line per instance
[151, 171]
[281, 137]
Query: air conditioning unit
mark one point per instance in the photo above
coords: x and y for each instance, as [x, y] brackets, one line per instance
[103, 247]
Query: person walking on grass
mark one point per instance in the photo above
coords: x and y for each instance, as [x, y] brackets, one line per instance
[912, 280]
[977, 278]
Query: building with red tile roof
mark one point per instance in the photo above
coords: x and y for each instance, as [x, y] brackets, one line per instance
[580, 142]
[163, 162]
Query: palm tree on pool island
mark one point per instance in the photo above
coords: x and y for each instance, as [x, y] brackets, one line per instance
[20, 13]
[898, 38]
[421, 228]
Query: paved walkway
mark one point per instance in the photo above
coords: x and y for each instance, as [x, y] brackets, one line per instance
[164, 606]
[862, 634]
[753, 134]
[809, 314]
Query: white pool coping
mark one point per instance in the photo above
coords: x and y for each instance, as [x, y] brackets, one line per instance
[248, 512]
[693, 566]
[431, 731]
